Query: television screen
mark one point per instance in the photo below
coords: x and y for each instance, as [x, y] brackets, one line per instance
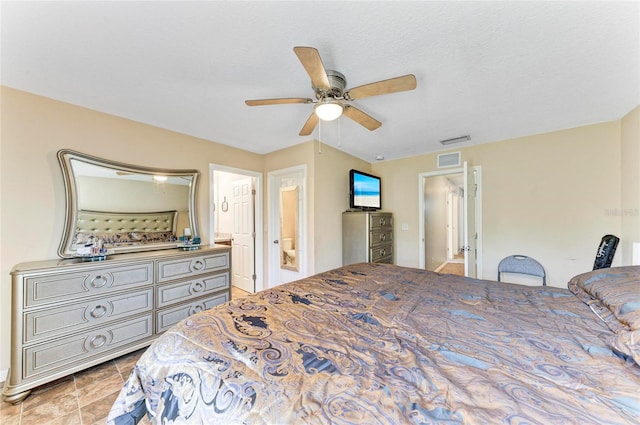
[365, 191]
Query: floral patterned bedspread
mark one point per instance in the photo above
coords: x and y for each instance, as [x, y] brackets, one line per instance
[382, 344]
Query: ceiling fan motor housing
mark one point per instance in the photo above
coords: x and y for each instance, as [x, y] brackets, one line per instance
[338, 83]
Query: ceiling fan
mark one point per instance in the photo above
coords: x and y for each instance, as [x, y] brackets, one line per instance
[331, 98]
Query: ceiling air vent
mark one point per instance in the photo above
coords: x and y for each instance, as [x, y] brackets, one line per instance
[451, 159]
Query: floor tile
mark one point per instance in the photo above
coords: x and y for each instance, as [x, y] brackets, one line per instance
[8, 410]
[96, 374]
[57, 407]
[51, 394]
[97, 412]
[94, 391]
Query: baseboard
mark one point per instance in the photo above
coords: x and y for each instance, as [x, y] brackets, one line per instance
[3, 375]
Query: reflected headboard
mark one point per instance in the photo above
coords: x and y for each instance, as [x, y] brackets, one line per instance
[125, 229]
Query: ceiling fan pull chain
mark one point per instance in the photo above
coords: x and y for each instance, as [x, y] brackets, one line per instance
[320, 138]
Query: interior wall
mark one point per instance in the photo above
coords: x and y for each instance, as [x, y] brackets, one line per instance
[549, 196]
[630, 177]
[33, 129]
[331, 189]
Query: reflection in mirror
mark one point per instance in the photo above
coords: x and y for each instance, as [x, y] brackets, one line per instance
[124, 208]
[289, 228]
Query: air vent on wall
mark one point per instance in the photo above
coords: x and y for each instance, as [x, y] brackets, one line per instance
[451, 159]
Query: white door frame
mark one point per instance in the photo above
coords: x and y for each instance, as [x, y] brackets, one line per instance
[259, 251]
[274, 223]
[421, 229]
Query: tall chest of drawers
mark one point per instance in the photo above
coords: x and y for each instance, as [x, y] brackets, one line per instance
[69, 315]
[367, 236]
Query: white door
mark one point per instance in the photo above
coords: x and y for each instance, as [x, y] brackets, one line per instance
[243, 250]
[470, 232]
[278, 180]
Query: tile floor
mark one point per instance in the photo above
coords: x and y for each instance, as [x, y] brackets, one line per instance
[83, 398]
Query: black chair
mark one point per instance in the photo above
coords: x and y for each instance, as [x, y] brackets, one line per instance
[606, 251]
[522, 264]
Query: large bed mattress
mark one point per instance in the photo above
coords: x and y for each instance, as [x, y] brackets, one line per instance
[382, 344]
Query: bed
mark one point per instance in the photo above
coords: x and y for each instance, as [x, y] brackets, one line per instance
[383, 344]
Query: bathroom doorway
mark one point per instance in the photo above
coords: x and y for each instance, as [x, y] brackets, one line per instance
[236, 217]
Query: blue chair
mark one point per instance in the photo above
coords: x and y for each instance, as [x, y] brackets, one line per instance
[521, 264]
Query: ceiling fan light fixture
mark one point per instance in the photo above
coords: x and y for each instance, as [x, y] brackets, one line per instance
[328, 110]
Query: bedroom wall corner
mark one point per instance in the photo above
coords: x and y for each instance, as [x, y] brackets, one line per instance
[331, 200]
[630, 182]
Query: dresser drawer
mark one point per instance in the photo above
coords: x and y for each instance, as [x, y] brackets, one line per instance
[192, 266]
[380, 236]
[74, 349]
[185, 290]
[52, 322]
[387, 260]
[45, 289]
[172, 315]
[380, 252]
[377, 221]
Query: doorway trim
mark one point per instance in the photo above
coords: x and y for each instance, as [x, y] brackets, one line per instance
[273, 254]
[257, 217]
[421, 230]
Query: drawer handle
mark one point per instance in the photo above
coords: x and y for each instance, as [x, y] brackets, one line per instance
[98, 311]
[98, 341]
[383, 252]
[383, 236]
[98, 281]
[197, 287]
[198, 265]
[196, 309]
[383, 221]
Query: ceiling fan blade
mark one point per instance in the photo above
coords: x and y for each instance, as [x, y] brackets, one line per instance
[280, 101]
[311, 123]
[312, 63]
[392, 85]
[361, 118]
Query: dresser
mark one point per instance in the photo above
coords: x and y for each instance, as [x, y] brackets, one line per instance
[68, 315]
[367, 236]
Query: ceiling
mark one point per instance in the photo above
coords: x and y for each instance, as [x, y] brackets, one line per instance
[492, 70]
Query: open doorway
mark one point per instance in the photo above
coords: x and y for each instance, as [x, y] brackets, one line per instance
[450, 221]
[236, 220]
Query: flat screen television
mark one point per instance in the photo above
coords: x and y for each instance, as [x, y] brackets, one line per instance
[365, 191]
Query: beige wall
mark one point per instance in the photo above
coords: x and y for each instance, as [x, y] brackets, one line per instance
[630, 176]
[550, 196]
[331, 199]
[33, 129]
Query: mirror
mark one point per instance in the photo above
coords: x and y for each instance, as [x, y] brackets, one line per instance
[289, 228]
[125, 208]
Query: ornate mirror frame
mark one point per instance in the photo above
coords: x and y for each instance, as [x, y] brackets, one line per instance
[68, 243]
